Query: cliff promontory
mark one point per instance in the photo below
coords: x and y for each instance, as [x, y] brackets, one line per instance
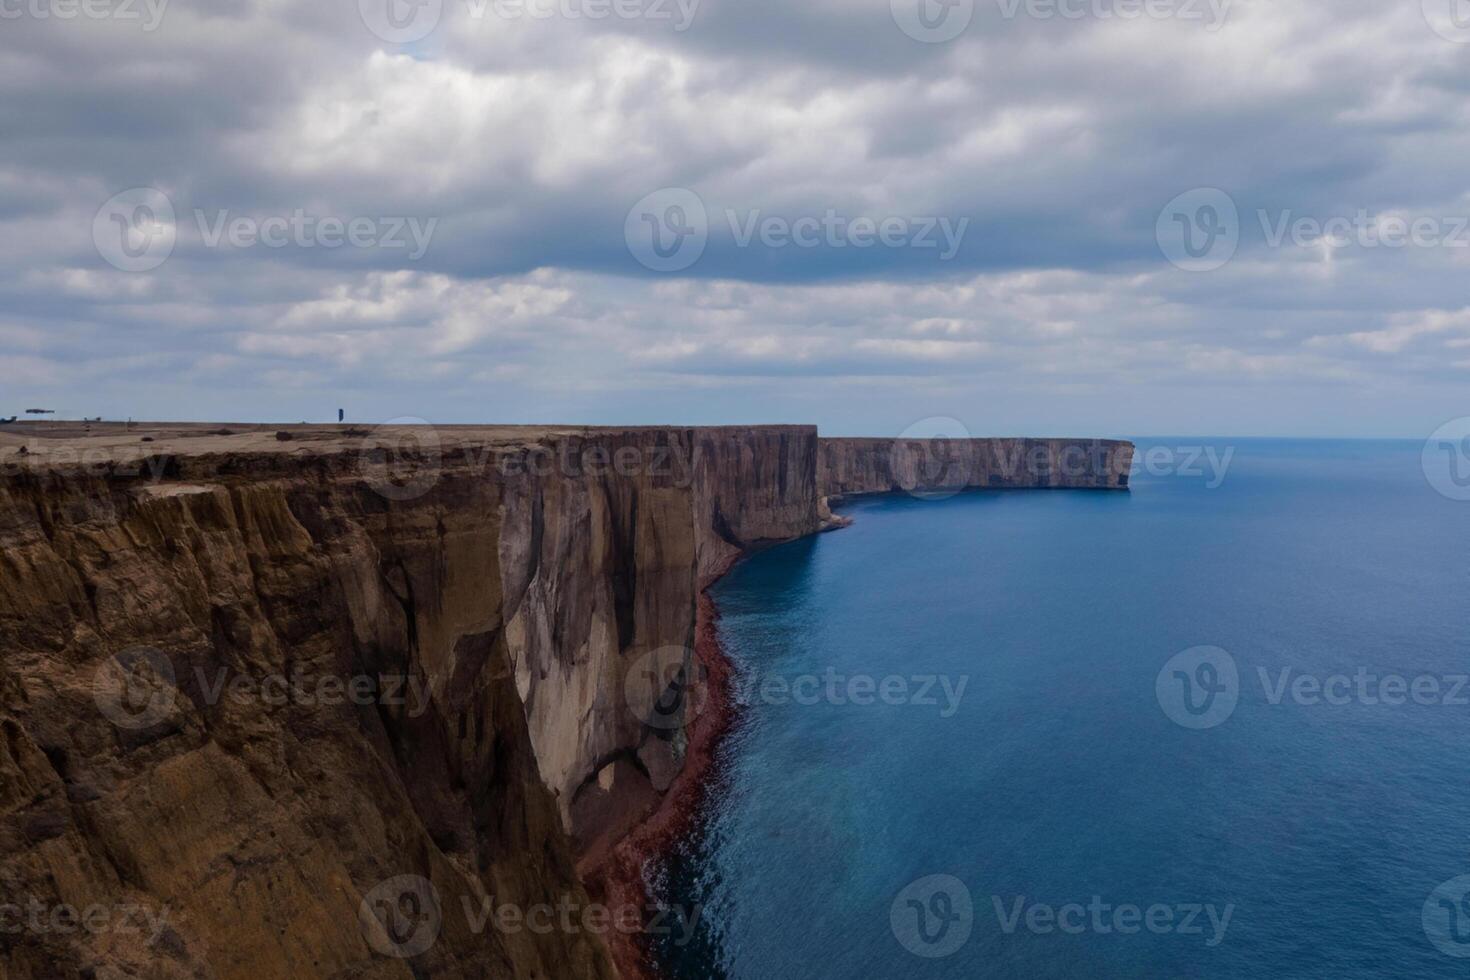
[856, 466]
[317, 702]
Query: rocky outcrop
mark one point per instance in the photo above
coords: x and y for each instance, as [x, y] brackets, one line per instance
[311, 707]
[857, 466]
[182, 747]
[169, 625]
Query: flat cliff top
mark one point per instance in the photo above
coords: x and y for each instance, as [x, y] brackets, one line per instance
[48, 443]
[875, 440]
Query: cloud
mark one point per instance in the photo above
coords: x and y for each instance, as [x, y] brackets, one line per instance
[527, 139]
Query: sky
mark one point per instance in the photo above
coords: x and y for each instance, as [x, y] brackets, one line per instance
[1033, 217]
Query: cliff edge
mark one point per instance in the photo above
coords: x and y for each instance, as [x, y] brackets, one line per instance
[320, 702]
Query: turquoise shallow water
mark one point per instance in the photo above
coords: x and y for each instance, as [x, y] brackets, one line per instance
[1059, 778]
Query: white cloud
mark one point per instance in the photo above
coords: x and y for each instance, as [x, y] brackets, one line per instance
[529, 141]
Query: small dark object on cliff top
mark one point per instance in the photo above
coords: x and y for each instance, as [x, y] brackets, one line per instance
[284, 437]
[220, 432]
[23, 451]
[147, 438]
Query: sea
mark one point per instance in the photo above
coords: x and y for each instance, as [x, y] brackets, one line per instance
[1217, 726]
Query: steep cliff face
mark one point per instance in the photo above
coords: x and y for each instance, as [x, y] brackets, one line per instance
[313, 705]
[856, 466]
[247, 691]
[167, 744]
[601, 573]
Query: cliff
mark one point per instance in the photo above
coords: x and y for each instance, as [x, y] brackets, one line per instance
[856, 466]
[310, 704]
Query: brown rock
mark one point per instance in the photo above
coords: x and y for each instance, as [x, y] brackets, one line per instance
[167, 625]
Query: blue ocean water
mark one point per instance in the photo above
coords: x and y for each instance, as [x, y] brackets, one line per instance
[1060, 780]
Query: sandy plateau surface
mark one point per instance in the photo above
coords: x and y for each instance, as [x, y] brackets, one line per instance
[70, 443]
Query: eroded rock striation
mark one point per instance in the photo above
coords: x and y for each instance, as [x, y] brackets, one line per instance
[312, 707]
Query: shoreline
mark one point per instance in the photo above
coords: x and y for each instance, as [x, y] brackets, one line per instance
[615, 875]
[618, 874]
[434, 537]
